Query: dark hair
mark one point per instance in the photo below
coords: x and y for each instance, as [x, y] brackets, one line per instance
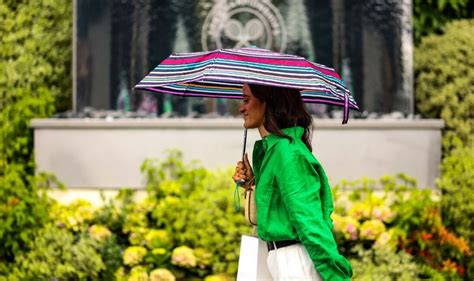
[284, 108]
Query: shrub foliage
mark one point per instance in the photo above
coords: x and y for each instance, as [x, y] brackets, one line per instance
[444, 75]
[397, 232]
[431, 16]
[35, 56]
[444, 81]
[186, 228]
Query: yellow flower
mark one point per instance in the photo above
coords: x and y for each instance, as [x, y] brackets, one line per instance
[346, 225]
[386, 239]
[162, 274]
[133, 255]
[217, 277]
[360, 211]
[99, 232]
[372, 229]
[382, 213]
[74, 216]
[138, 273]
[183, 256]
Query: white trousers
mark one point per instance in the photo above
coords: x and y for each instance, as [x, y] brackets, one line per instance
[292, 263]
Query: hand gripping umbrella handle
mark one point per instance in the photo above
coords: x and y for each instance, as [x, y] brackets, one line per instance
[241, 181]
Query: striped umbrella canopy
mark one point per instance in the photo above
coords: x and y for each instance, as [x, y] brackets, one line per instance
[221, 73]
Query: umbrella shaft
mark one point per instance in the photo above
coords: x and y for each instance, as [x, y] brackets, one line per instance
[245, 144]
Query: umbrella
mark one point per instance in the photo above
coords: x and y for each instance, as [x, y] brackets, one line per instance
[221, 73]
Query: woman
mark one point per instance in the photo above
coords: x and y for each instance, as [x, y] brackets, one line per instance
[293, 197]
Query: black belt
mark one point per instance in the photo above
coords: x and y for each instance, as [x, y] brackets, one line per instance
[280, 244]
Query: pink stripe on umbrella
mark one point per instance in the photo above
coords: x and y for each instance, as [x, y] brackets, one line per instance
[248, 58]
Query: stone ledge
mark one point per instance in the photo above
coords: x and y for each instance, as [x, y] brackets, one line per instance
[95, 153]
[227, 123]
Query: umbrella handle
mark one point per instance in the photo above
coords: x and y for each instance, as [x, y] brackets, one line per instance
[242, 181]
[245, 144]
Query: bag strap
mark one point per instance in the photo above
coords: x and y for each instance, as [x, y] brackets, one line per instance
[249, 193]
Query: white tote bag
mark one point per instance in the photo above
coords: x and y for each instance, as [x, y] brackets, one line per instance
[253, 260]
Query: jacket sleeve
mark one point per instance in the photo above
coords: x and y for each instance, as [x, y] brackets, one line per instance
[300, 188]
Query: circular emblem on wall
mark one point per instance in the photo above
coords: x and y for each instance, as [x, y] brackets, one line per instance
[243, 23]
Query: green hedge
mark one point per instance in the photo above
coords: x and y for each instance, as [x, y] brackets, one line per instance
[457, 184]
[444, 81]
[195, 207]
[392, 230]
[186, 228]
[57, 252]
[431, 16]
[35, 64]
[444, 87]
[35, 71]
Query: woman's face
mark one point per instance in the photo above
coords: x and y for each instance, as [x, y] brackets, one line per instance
[252, 109]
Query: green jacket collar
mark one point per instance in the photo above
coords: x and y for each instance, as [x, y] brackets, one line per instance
[294, 132]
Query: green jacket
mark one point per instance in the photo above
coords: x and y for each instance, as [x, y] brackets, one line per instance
[294, 201]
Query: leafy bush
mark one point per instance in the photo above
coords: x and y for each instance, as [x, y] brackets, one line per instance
[204, 218]
[24, 209]
[187, 228]
[431, 16]
[457, 182]
[56, 254]
[399, 220]
[382, 263]
[186, 225]
[77, 216]
[444, 72]
[444, 81]
[35, 57]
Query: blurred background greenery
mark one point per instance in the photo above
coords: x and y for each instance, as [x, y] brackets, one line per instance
[186, 227]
